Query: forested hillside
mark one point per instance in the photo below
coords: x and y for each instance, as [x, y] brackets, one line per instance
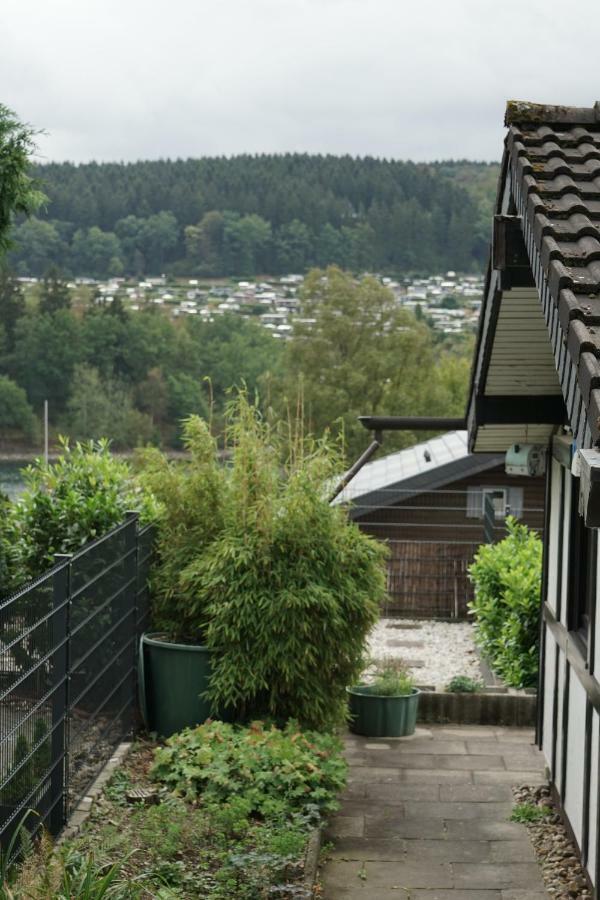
[256, 214]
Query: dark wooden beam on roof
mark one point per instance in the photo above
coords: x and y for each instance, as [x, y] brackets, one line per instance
[506, 410]
[411, 423]
[508, 247]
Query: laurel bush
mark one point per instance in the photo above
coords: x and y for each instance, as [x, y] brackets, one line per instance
[506, 609]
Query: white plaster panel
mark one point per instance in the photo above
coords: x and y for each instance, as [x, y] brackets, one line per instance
[553, 531]
[573, 789]
[556, 777]
[593, 836]
[565, 548]
[549, 690]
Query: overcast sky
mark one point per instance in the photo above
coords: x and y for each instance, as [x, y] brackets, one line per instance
[411, 79]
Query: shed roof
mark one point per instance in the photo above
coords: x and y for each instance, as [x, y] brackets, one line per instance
[550, 185]
[412, 472]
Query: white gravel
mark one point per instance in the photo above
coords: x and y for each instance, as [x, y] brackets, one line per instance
[446, 648]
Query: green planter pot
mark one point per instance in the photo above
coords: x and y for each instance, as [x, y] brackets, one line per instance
[172, 677]
[376, 716]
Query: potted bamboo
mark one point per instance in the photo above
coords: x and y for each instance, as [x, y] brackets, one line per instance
[386, 706]
[263, 593]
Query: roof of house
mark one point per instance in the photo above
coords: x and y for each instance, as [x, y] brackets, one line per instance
[550, 186]
[425, 467]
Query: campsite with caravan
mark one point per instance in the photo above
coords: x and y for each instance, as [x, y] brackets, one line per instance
[299, 451]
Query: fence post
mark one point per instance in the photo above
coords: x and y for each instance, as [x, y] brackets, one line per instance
[489, 519]
[61, 591]
[133, 572]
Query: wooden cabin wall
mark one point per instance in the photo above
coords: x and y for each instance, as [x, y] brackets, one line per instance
[432, 542]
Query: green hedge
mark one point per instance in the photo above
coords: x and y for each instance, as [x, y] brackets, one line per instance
[507, 578]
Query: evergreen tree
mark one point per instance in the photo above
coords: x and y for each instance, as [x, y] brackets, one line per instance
[12, 305]
[54, 293]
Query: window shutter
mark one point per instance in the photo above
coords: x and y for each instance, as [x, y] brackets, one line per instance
[474, 501]
[515, 502]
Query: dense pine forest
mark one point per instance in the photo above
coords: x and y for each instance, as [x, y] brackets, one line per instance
[256, 214]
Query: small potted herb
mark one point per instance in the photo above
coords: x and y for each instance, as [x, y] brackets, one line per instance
[386, 706]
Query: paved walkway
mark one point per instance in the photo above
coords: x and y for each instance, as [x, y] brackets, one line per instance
[427, 818]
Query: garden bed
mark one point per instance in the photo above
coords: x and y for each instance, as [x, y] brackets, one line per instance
[252, 833]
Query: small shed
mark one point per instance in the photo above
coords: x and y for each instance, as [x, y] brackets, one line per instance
[427, 503]
[536, 383]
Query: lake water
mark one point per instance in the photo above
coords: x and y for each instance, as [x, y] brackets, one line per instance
[11, 481]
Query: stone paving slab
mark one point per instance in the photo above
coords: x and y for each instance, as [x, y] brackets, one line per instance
[427, 818]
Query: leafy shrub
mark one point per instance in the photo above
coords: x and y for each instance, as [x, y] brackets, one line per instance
[258, 770]
[81, 496]
[255, 562]
[507, 579]
[462, 684]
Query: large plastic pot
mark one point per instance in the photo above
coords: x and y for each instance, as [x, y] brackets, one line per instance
[172, 678]
[374, 715]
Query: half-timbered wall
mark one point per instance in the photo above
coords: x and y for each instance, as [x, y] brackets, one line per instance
[569, 721]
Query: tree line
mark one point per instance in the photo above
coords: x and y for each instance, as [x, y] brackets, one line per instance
[133, 377]
[247, 215]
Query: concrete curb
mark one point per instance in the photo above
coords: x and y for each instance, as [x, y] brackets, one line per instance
[83, 808]
[494, 708]
[311, 861]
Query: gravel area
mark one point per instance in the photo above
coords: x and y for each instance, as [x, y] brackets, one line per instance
[561, 869]
[435, 652]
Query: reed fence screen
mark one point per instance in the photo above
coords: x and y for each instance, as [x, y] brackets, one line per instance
[432, 538]
[68, 675]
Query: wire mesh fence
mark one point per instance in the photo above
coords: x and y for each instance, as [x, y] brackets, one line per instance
[433, 536]
[68, 675]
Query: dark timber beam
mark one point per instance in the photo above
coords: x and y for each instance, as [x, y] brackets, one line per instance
[549, 410]
[509, 253]
[411, 423]
[508, 247]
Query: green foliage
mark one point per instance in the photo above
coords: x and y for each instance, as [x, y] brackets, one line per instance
[506, 608]
[354, 349]
[254, 561]
[462, 684]
[81, 496]
[18, 191]
[254, 771]
[98, 408]
[12, 305]
[54, 293]
[529, 812]
[46, 350]
[42, 754]
[255, 795]
[271, 213]
[20, 781]
[16, 415]
[392, 680]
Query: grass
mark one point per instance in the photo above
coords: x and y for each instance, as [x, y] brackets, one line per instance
[529, 813]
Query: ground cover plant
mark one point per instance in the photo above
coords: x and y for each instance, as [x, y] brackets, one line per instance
[255, 563]
[462, 684]
[215, 835]
[507, 578]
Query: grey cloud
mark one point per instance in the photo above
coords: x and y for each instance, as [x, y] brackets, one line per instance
[401, 78]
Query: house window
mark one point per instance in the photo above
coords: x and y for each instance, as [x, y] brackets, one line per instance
[508, 501]
[583, 559]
